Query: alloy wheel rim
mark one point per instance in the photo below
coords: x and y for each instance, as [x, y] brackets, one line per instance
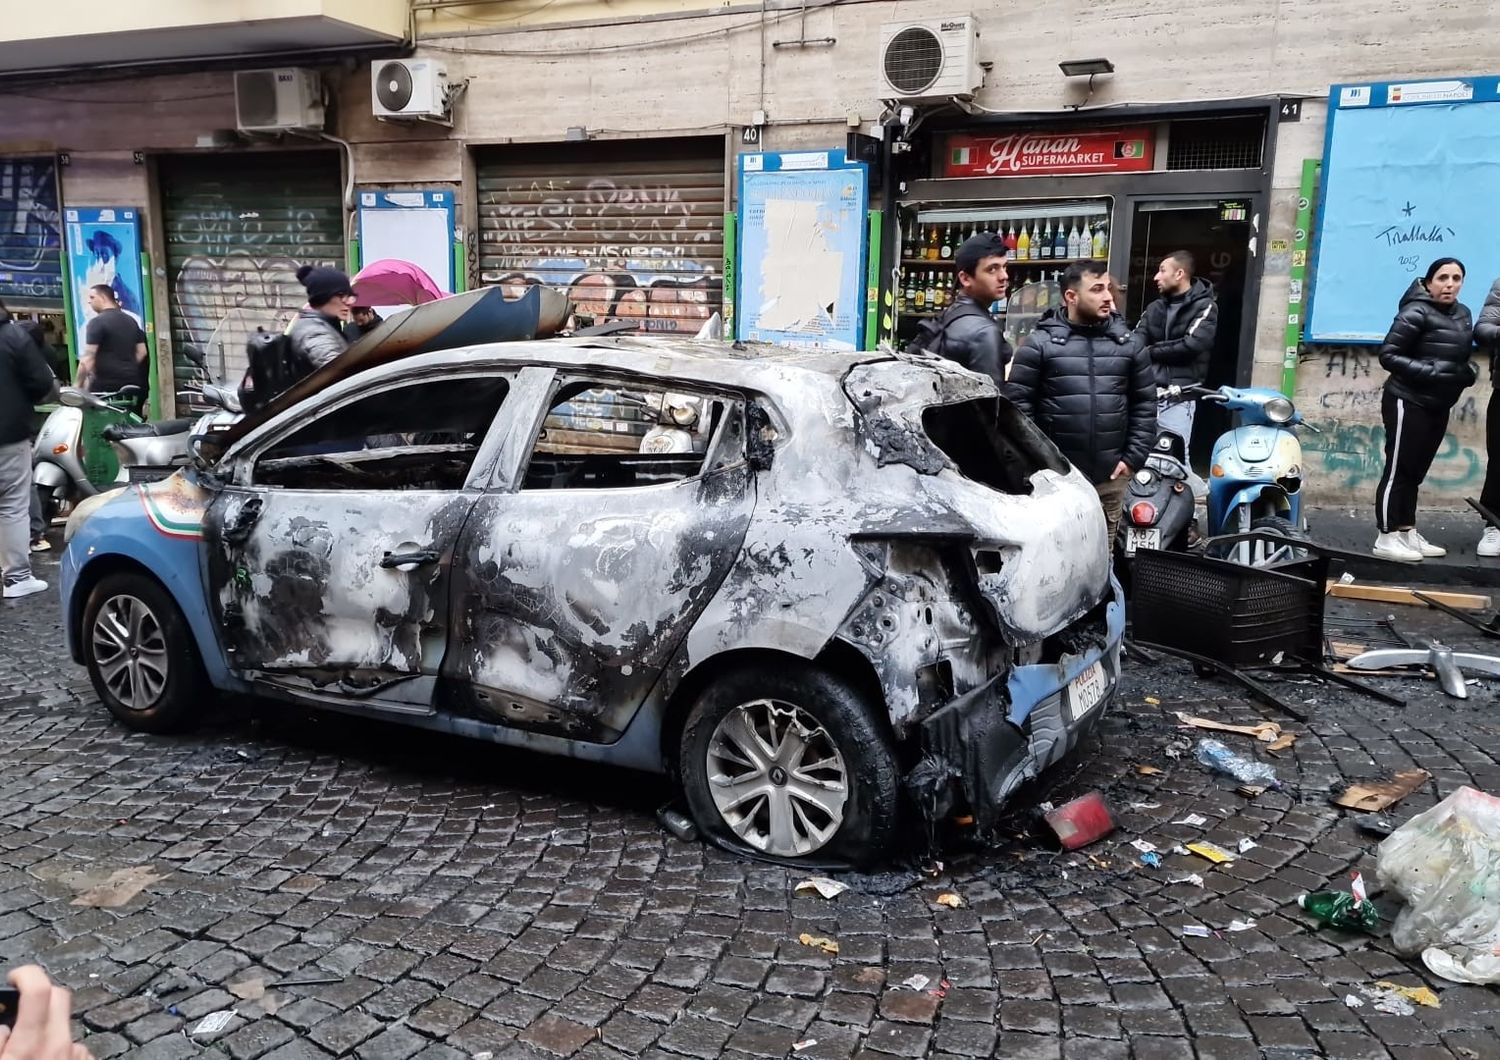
[777, 778]
[130, 651]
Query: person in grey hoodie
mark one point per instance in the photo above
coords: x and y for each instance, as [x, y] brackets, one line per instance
[1487, 337]
[1429, 354]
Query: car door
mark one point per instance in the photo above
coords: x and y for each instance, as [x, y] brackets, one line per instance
[581, 579]
[329, 550]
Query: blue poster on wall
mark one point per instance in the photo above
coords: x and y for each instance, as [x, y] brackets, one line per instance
[104, 249]
[802, 249]
[1410, 174]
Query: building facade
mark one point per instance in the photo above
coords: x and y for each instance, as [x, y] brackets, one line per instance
[594, 145]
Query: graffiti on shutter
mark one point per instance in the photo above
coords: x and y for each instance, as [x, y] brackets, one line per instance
[30, 234]
[639, 241]
[237, 230]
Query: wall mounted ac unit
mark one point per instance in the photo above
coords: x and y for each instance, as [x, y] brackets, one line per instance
[930, 58]
[286, 100]
[409, 88]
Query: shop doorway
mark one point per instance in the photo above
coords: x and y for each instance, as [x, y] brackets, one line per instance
[1217, 234]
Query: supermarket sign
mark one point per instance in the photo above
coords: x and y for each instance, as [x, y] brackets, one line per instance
[1029, 154]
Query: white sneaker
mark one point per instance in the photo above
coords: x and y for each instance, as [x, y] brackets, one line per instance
[1489, 544]
[1394, 546]
[1414, 539]
[27, 587]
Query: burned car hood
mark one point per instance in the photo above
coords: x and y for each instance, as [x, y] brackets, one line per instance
[469, 319]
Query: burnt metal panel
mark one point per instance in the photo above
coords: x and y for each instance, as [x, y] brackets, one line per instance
[237, 228]
[31, 272]
[633, 231]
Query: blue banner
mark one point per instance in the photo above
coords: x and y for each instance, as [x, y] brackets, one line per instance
[1410, 172]
[104, 249]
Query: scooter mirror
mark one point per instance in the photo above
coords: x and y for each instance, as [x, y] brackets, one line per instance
[76, 399]
[195, 355]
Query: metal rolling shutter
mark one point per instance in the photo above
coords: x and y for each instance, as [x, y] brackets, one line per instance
[31, 272]
[634, 231]
[237, 229]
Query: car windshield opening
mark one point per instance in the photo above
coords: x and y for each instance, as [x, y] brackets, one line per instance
[422, 436]
[992, 443]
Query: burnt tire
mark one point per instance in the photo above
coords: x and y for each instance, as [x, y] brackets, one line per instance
[791, 763]
[141, 657]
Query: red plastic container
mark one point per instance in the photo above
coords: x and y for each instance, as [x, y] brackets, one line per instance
[1083, 821]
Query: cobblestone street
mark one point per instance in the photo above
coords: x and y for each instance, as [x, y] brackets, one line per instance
[461, 900]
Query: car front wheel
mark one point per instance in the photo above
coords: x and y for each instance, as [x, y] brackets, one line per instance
[790, 763]
[141, 658]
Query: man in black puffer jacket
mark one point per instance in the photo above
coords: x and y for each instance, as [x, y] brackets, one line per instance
[1178, 331]
[1084, 379]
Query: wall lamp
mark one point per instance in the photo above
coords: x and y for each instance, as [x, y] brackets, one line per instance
[1090, 68]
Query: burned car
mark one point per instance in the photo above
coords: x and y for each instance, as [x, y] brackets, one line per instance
[824, 592]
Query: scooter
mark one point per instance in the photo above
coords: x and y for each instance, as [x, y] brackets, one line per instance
[149, 452]
[69, 460]
[1255, 482]
[1158, 506]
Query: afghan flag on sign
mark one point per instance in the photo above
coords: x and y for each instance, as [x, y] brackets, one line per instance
[1130, 148]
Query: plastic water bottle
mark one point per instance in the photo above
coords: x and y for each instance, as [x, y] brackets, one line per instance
[1347, 912]
[1217, 757]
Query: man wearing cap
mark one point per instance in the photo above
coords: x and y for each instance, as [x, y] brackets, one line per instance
[966, 332]
[317, 333]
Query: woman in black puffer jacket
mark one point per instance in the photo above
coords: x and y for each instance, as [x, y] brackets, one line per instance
[1429, 355]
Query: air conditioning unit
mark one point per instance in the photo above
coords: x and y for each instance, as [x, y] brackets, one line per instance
[930, 58]
[409, 88]
[286, 100]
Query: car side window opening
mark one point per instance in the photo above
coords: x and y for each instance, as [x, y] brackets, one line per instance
[606, 436]
[420, 436]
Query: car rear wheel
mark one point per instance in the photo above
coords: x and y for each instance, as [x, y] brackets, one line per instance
[141, 658]
[790, 763]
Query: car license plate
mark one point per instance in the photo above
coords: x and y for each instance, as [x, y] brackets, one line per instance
[1087, 691]
[1136, 537]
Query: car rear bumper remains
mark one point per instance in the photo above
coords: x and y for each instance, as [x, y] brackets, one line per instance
[986, 743]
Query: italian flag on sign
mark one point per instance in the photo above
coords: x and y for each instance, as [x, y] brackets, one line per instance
[960, 156]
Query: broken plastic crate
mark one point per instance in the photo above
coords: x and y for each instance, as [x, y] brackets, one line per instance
[1241, 616]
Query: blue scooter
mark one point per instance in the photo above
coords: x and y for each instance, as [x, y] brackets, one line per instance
[1255, 482]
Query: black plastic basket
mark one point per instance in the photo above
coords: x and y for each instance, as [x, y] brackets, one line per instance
[1240, 616]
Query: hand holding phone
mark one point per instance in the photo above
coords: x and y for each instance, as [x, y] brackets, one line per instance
[10, 1000]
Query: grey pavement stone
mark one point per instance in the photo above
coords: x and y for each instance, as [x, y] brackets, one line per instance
[539, 911]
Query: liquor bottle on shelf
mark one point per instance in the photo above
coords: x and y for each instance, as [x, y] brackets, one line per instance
[1073, 252]
[932, 290]
[1100, 247]
[1060, 241]
[919, 296]
[1036, 241]
[910, 282]
[901, 296]
[946, 253]
[1047, 242]
[1023, 245]
[909, 244]
[932, 244]
[1010, 240]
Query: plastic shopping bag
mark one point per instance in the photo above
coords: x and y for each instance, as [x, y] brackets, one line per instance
[1446, 863]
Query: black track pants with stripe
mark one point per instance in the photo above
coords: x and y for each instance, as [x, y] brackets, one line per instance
[1412, 438]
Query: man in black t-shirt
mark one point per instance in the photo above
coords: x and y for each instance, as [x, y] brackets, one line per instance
[114, 346]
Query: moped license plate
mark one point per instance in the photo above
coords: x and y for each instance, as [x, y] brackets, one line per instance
[1138, 537]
